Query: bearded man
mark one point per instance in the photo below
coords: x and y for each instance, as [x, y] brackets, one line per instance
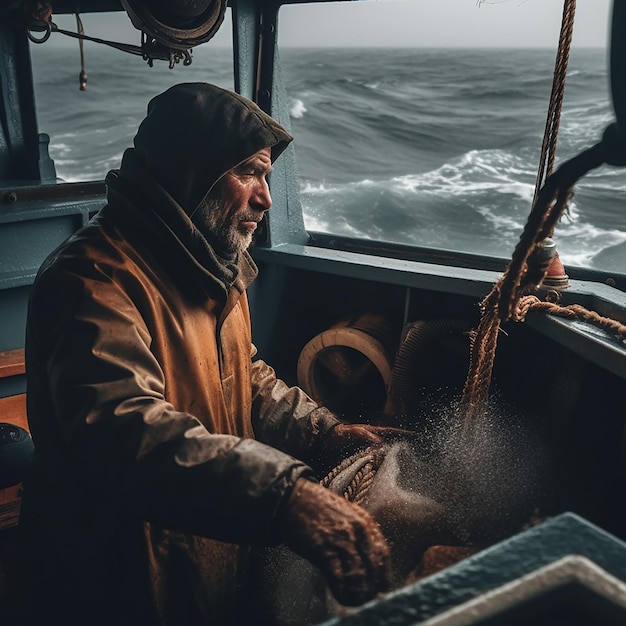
[163, 448]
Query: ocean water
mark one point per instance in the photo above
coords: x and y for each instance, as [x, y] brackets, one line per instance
[426, 147]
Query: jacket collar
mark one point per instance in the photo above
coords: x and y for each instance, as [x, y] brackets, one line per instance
[150, 217]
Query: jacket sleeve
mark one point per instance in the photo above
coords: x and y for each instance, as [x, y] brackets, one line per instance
[286, 417]
[99, 414]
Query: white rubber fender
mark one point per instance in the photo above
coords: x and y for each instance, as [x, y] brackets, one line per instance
[341, 335]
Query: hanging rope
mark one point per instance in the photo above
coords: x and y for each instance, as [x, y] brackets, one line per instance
[549, 203]
[82, 78]
[505, 302]
[553, 119]
[40, 21]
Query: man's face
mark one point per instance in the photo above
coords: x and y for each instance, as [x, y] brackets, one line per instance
[241, 198]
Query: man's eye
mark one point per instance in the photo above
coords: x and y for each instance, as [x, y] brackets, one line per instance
[251, 172]
[246, 172]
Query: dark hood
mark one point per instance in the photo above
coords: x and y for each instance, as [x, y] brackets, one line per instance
[194, 133]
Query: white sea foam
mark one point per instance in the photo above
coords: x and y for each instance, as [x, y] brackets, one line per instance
[581, 259]
[581, 127]
[109, 163]
[61, 138]
[501, 223]
[315, 224]
[320, 188]
[60, 150]
[578, 243]
[475, 172]
[616, 186]
[68, 179]
[297, 109]
[521, 190]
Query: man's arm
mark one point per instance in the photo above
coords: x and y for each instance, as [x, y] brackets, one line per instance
[100, 410]
[286, 417]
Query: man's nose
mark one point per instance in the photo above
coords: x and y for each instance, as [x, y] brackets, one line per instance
[262, 200]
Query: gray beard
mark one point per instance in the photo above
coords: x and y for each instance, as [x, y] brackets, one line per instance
[223, 234]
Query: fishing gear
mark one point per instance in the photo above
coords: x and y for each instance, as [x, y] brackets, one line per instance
[168, 33]
[511, 298]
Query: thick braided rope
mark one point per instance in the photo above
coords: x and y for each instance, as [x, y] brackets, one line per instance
[483, 343]
[502, 301]
[549, 203]
[357, 488]
[572, 311]
[553, 119]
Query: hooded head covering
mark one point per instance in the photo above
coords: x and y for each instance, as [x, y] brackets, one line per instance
[194, 133]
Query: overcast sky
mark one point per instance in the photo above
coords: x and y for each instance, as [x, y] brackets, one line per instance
[445, 22]
[517, 23]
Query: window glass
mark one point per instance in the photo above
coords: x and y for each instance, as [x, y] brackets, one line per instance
[421, 123]
[89, 130]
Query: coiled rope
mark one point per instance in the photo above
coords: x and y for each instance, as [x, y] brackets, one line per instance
[509, 299]
[40, 21]
[356, 489]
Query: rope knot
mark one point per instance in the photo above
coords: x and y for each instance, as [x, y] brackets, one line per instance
[522, 306]
[353, 477]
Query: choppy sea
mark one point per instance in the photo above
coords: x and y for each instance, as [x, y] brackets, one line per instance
[427, 147]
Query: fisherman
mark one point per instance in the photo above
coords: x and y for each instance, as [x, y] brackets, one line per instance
[163, 447]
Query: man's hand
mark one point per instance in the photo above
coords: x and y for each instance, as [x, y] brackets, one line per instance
[346, 439]
[341, 539]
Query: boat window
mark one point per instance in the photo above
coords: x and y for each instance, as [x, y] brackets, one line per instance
[421, 123]
[89, 130]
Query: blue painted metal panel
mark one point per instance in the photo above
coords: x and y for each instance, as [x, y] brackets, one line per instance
[565, 535]
[19, 140]
[29, 232]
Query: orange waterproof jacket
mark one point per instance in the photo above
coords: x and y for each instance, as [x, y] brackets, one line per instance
[160, 444]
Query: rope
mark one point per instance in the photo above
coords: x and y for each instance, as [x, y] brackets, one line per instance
[505, 301]
[41, 22]
[356, 490]
[573, 311]
[82, 78]
[553, 120]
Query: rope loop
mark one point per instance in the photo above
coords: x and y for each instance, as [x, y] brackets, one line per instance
[39, 27]
[356, 489]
